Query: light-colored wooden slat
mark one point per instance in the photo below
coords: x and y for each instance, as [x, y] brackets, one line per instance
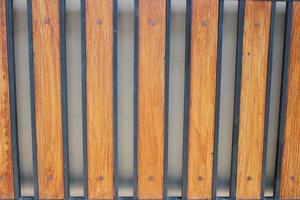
[6, 166]
[99, 77]
[253, 98]
[151, 98]
[290, 175]
[47, 79]
[204, 37]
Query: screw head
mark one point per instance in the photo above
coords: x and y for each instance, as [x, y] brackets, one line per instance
[257, 24]
[50, 178]
[204, 23]
[152, 22]
[293, 178]
[150, 178]
[100, 178]
[99, 21]
[200, 178]
[46, 20]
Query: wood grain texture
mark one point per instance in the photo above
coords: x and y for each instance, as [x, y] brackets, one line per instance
[290, 175]
[151, 98]
[6, 166]
[253, 99]
[204, 37]
[99, 76]
[47, 79]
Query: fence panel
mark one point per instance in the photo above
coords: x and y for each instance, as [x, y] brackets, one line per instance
[152, 18]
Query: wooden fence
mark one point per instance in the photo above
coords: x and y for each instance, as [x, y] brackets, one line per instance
[204, 28]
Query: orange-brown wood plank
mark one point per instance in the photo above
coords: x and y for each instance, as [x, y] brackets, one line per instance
[290, 175]
[203, 75]
[253, 99]
[151, 98]
[6, 166]
[47, 79]
[99, 83]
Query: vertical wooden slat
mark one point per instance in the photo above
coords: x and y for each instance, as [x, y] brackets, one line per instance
[203, 68]
[47, 89]
[290, 174]
[6, 166]
[253, 99]
[99, 89]
[151, 98]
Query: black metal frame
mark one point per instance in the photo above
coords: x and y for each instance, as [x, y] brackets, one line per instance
[12, 96]
[218, 97]
[283, 95]
[32, 99]
[115, 94]
[64, 92]
[188, 26]
[83, 81]
[268, 97]
[167, 78]
[239, 53]
[135, 94]
[237, 89]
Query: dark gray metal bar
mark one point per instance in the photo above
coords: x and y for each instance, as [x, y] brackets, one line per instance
[13, 97]
[83, 80]
[238, 77]
[64, 95]
[115, 94]
[167, 77]
[32, 99]
[218, 94]
[135, 91]
[268, 97]
[283, 95]
[186, 98]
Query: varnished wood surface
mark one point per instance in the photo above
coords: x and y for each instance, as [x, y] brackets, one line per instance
[151, 98]
[6, 166]
[47, 79]
[99, 72]
[202, 98]
[253, 99]
[290, 175]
